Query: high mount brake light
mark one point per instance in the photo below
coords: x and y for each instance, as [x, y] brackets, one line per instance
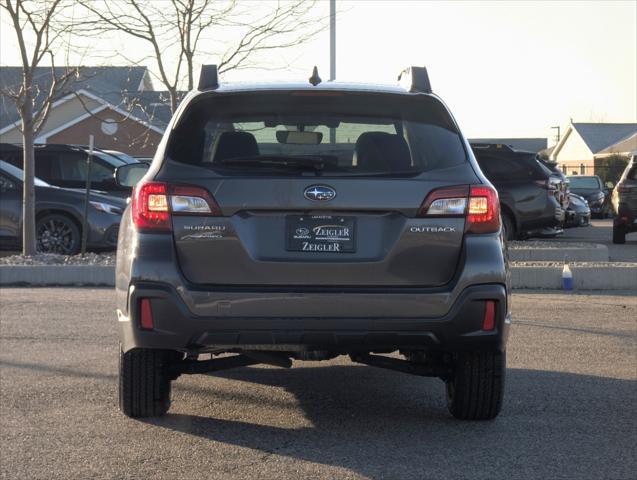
[480, 204]
[153, 204]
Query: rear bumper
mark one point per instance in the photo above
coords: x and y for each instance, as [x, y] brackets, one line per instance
[577, 218]
[177, 327]
[200, 318]
[553, 215]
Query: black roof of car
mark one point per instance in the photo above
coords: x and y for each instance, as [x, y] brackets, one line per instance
[499, 149]
[44, 146]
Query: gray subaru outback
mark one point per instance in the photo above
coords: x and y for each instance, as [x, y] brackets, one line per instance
[283, 222]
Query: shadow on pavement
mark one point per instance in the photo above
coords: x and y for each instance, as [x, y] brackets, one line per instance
[384, 424]
[388, 425]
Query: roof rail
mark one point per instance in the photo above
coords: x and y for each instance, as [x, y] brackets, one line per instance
[208, 78]
[415, 79]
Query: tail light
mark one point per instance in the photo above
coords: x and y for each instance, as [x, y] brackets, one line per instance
[450, 201]
[186, 200]
[480, 204]
[552, 187]
[149, 207]
[153, 204]
[484, 211]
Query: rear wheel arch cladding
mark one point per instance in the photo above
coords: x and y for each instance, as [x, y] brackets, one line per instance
[506, 211]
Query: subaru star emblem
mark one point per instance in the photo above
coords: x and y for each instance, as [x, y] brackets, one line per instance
[320, 193]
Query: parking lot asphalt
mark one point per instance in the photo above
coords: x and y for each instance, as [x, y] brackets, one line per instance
[601, 231]
[570, 407]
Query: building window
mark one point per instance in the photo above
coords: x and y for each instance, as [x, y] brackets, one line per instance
[582, 169]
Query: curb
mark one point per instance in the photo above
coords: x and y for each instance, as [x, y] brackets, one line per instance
[595, 252]
[585, 277]
[57, 275]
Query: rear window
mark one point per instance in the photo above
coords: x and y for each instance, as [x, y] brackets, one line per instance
[19, 174]
[336, 134]
[584, 182]
[108, 158]
[499, 168]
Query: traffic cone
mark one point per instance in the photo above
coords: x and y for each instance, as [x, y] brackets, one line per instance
[567, 277]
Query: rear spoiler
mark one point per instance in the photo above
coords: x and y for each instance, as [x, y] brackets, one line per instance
[501, 147]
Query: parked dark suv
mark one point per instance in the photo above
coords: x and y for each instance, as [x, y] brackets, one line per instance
[65, 166]
[532, 198]
[307, 221]
[59, 213]
[624, 203]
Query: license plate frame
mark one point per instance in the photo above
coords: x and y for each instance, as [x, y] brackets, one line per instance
[320, 233]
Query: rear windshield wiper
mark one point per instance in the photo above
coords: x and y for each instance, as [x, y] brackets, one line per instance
[274, 161]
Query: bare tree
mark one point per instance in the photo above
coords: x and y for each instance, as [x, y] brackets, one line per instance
[174, 30]
[32, 22]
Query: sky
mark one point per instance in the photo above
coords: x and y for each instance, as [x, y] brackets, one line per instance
[505, 69]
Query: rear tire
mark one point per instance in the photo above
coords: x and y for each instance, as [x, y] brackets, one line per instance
[509, 227]
[144, 384]
[619, 234]
[475, 392]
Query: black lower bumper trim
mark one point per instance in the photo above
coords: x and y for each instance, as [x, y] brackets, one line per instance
[176, 328]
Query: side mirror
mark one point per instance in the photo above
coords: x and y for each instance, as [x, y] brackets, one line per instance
[128, 175]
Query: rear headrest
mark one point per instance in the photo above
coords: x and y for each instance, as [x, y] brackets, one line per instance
[382, 151]
[233, 145]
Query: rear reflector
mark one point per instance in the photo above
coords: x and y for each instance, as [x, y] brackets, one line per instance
[489, 315]
[146, 314]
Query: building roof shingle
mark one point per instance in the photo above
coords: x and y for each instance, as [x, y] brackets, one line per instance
[126, 87]
[599, 136]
